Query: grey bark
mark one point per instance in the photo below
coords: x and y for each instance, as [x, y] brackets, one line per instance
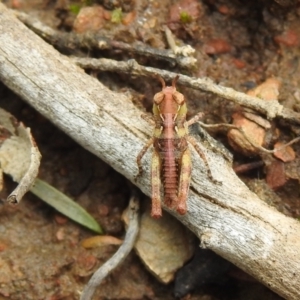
[229, 219]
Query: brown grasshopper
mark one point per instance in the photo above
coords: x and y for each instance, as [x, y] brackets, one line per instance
[171, 160]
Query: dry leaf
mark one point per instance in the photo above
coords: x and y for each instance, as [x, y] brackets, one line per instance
[276, 174]
[268, 90]
[164, 245]
[285, 154]
[255, 133]
[258, 120]
[91, 18]
[99, 241]
[253, 126]
[19, 155]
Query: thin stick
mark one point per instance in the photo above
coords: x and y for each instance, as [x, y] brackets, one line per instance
[120, 255]
[71, 40]
[271, 109]
[247, 167]
[262, 149]
[31, 173]
[186, 50]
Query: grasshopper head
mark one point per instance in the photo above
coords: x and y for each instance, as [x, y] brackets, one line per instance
[168, 100]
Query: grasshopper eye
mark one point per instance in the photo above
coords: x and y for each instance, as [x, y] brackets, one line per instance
[159, 97]
[178, 97]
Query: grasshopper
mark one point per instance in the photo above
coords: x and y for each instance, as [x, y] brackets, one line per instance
[171, 164]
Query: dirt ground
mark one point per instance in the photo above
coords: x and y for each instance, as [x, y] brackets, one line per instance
[238, 44]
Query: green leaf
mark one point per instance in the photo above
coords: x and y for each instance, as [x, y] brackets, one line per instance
[64, 205]
[185, 17]
[116, 15]
[74, 8]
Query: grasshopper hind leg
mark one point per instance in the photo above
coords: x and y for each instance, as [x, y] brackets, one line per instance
[184, 181]
[156, 211]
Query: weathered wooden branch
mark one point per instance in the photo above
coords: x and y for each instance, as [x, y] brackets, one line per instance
[229, 219]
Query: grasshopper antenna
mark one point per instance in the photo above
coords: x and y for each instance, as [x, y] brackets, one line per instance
[162, 81]
[174, 81]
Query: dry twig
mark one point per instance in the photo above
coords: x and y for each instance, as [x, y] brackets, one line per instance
[31, 174]
[65, 40]
[19, 155]
[120, 255]
[272, 109]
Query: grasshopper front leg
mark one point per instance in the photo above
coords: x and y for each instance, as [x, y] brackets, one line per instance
[156, 184]
[184, 181]
[140, 156]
